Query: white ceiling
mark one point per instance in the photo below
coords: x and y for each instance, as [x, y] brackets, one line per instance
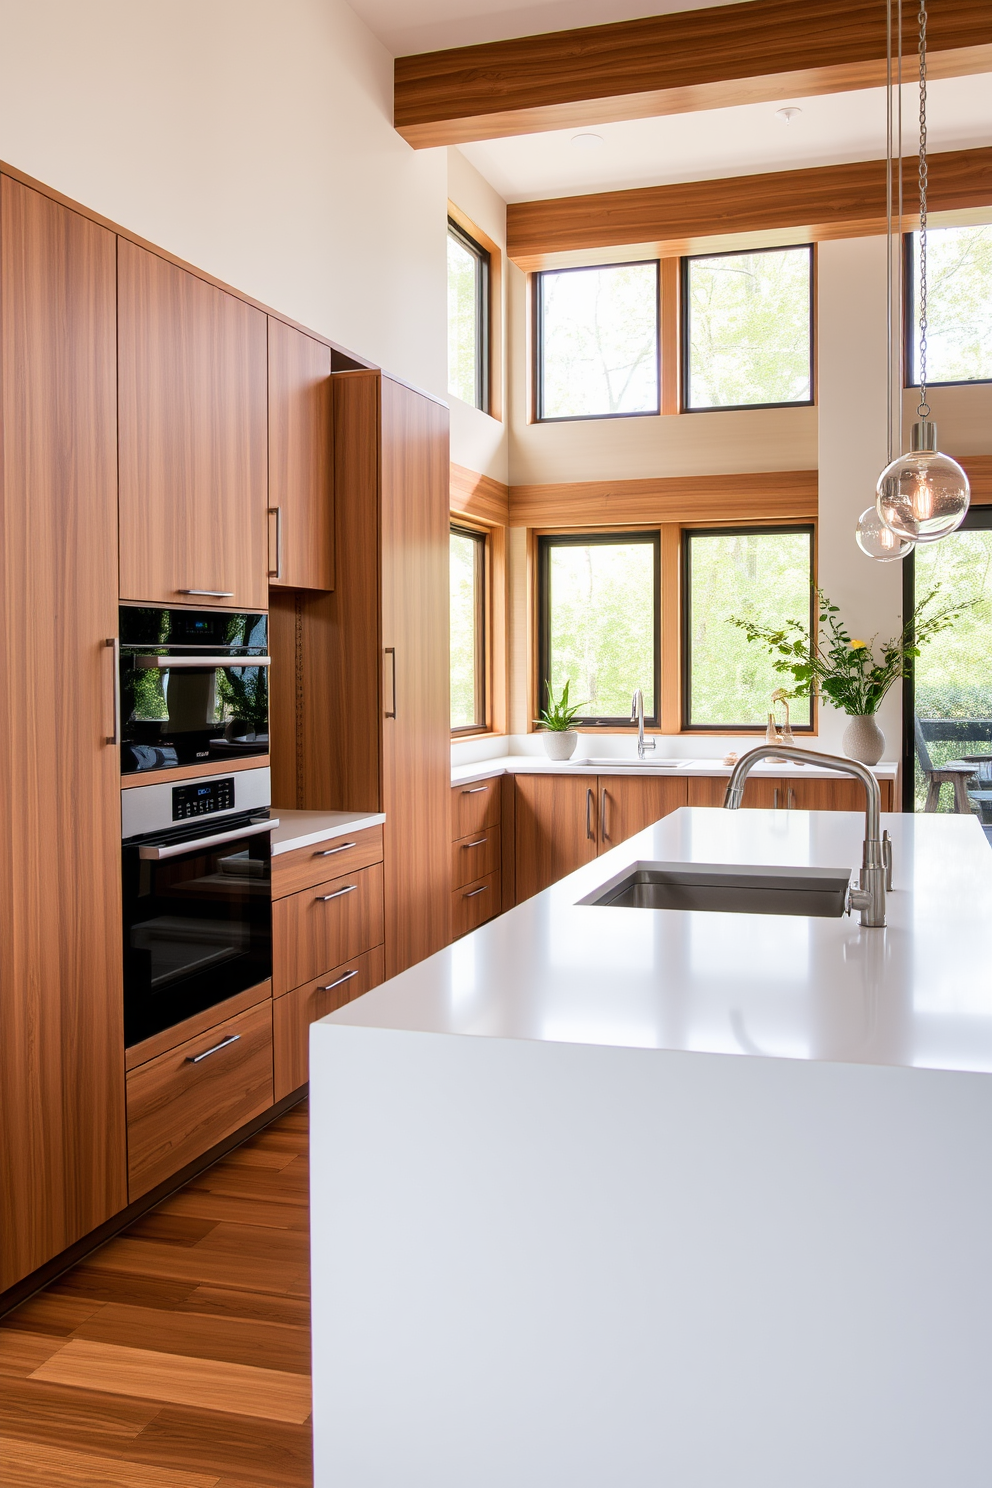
[738, 141]
[433, 25]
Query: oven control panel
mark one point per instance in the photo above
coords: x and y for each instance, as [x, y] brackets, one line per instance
[202, 798]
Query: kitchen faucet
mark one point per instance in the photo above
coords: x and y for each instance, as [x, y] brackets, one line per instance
[876, 856]
[637, 716]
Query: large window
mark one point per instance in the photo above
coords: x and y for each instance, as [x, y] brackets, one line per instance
[597, 341]
[468, 630]
[468, 318]
[959, 305]
[598, 597]
[747, 329]
[759, 574]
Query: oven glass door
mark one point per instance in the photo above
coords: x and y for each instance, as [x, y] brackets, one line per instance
[197, 924]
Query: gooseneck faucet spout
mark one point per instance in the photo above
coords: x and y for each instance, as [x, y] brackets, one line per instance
[876, 864]
[637, 716]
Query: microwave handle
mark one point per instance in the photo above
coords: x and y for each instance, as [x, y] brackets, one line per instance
[172, 663]
[176, 849]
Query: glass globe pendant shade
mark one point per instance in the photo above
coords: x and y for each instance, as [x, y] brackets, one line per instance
[924, 495]
[878, 541]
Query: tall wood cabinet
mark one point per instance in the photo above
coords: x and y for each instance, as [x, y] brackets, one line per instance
[62, 1159]
[193, 446]
[301, 476]
[371, 708]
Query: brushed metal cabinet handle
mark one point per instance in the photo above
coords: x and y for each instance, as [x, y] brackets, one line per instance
[328, 852]
[475, 790]
[276, 511]
[115, 645]
[391, 651]
[602, 816]
[331, 985]
[209, 593]
[480, 842]
[776, 798]
[589, 832]
[790, 799]
[324, 898]
[471, 893]
[195, 1058]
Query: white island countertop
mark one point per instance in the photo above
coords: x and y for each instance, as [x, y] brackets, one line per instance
[918, 993]
[303, 828]
[539, 764]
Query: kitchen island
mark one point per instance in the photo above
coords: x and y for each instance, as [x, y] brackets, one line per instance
[610, 1196]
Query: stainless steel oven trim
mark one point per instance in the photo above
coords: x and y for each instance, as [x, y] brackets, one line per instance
[201, 663]
[178, 849]
[148, 808]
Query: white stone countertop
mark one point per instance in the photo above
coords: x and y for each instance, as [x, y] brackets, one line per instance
[302, 828]
[521, 764]
[916, 994]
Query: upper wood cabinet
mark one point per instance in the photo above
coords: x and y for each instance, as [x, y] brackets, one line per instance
[301, 460]
[192, 438]
[62, 1152]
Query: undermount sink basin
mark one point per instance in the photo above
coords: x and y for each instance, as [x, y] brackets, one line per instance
[649, 763]
[728, 888]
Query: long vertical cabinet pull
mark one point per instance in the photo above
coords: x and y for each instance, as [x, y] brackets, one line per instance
[276, 511]
[391, 712]
[589, 809]
[602, 815]
[114, 646]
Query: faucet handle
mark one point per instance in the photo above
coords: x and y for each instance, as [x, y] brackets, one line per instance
[887, 859]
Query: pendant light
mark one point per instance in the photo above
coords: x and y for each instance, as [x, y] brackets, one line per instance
[922, 496]
[878, 541]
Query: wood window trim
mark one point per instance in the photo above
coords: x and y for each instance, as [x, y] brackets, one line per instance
[669, 611]
[496, 597]
[495, 307]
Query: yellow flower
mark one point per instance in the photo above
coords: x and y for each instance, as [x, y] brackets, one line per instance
[858, 645]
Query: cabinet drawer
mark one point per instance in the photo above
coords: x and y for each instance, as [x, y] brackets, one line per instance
[474, 807]
[325, 926]
[474, 904]
[181, 1103]
[293, 1014]
[475, 857]
[306, 866]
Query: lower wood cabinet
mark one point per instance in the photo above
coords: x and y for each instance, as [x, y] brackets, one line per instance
[324, 926]
[628, 804]
[790, 793]
[474, 903]
[293, 1013]
[475, 857]
[759, 791]
[183, 1102]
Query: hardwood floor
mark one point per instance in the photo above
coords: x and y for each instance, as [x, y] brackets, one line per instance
[178, 1355]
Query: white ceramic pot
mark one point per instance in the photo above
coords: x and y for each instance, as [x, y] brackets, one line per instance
[559, 744]
[863, 739]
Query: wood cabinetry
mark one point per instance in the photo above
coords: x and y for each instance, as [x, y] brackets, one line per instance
[474, 904]
[301, 471]
[192, 437]
[62, 1153]
[476, 854]
[710, 790]
[323, 926]
[555, 828]
[475, 857]
[293, 1014]
[628, 804]
[793, 792]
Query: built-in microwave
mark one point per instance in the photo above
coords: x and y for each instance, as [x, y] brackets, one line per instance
[193, 687]
[197, 896]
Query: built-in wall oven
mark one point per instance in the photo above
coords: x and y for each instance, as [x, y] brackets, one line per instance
[196, 875]
[193, 686]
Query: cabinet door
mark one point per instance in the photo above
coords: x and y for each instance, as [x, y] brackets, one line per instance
[710, 790]
[301, 492]
[192, 410]
[416, 681]
[629, 803]
[62, 1154]
[839, 794]
[555, 827]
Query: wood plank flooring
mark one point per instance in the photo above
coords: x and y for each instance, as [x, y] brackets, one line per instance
[178, 1355]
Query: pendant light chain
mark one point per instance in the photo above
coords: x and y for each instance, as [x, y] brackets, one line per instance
[924, 407]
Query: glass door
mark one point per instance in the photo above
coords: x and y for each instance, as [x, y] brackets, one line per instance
[947, 735]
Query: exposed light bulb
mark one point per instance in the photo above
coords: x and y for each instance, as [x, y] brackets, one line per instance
[878, 541]
[924, 495]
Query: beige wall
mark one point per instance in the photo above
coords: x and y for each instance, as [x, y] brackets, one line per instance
[254, 140]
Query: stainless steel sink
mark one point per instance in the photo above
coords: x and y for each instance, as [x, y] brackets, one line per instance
[639, 764]
[728, 888]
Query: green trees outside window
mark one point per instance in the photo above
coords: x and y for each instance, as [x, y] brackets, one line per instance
[597, 341]
[468, 318]
[468, 642]
[959, 305]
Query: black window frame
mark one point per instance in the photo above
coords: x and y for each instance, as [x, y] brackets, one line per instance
[538, 338]
[548, 541]
[977, 519]
[685, 345]
[770, 529]
[483, 313]
[911, 327]
[481, 539]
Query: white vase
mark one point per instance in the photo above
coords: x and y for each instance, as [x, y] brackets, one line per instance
[863, 739]
[559, 744]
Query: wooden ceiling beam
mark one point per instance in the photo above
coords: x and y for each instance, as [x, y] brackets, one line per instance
[700, 59]
[829, 201]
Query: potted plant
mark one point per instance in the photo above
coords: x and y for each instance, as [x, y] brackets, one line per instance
[846, 670]
[556, 720]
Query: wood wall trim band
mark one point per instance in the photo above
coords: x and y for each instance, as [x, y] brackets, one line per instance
[765, 496]
[978, 469]
[479, 497]
[829, 201]
[666, 64]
